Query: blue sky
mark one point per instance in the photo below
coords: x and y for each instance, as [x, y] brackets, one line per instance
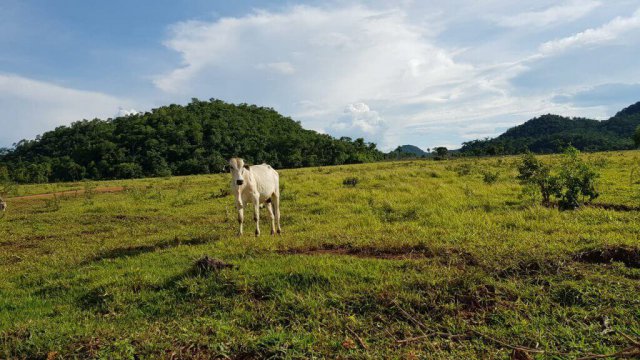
[428, 73]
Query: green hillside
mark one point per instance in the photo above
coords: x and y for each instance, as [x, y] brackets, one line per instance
[176, 140]
[550, 133]
[407, 151]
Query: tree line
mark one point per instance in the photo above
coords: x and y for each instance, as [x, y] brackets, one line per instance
[553, 133]
[176, 140]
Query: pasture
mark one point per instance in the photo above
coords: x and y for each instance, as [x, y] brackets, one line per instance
[409, 259]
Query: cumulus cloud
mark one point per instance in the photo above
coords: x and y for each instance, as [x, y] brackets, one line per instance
[359, 121]
[557, 14]
[30, 107]
[126, 112]
[331, 58]
[407, 64]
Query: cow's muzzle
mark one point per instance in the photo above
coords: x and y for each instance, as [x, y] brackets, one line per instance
[239, 182]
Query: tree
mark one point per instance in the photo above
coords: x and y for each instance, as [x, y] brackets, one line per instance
[573, 186]
[636, 136]
[552, 133]
[194, 139]
[533, 172]
[441, 152]
[577, 179]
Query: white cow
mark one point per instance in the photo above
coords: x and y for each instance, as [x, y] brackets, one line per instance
[3, 205]
[256, 184]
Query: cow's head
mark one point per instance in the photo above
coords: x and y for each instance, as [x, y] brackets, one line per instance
[238, 170]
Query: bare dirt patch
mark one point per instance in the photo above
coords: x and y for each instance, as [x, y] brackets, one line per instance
[409, 252]
[630, 256]
[419, 251]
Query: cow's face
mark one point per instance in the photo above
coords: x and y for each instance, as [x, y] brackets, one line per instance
[238, 171]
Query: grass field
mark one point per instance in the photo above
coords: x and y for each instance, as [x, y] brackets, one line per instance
[420, 259]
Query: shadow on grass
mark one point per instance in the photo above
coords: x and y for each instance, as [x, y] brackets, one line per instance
[129, 251]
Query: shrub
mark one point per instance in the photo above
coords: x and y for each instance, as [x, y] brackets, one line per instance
[577, 179]
[463, 169]
[127, 171]
[490, 177]
[534, 172]
[573, 186]
[222, 193]
[350, 181]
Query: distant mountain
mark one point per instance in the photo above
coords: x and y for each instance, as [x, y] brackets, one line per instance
[176, 140]
[406, 151]
[410, 150]
[551, 133]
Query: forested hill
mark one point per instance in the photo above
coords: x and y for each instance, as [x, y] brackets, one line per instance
[407, 151]
[551, 133]
[194, 139]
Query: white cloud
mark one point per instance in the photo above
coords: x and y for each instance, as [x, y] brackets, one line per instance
[436, 73]
[332, 58]
[359, 120]
[553, 15]
[30, 107]
[603, 34]
[283, 67]
[126, 112]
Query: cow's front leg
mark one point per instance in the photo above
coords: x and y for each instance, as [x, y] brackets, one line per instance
[240, 216]
[256, 213]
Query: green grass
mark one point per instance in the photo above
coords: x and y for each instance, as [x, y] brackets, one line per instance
[413, 248]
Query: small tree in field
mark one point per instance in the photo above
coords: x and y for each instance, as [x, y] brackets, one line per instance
[441, 152]
[578, 180]
[573, 186]
[535, 173]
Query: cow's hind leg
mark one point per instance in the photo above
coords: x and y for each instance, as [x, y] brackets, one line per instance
[275, 199]
[256, 213]
[271, 217]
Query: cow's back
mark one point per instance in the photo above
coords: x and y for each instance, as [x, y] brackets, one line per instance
[267, 180]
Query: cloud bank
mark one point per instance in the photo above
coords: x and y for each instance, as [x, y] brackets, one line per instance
[31, 107]
[314, 62]
[425, 73]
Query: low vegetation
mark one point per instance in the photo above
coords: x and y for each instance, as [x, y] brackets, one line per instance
[418, 260]
[573, 185]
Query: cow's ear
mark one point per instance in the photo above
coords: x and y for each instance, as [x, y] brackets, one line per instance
[246, 167]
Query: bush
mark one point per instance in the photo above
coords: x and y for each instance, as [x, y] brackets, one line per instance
[127, 171]
[350, 181]
[463, 169]
[490, 177]
[577, 179]
[534, 172]
[573, 186]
